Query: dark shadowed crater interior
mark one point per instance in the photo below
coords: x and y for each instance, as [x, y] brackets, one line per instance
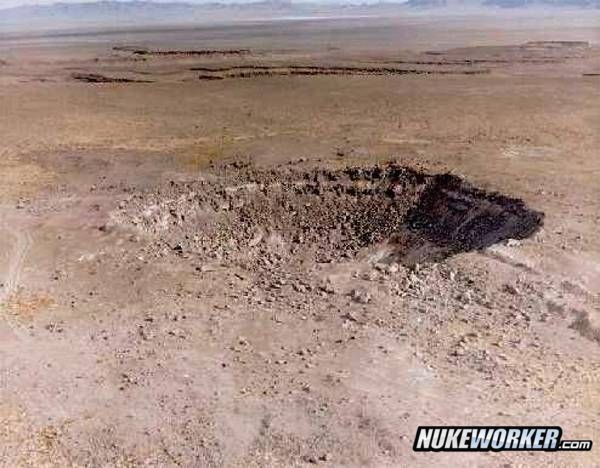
[247, 215]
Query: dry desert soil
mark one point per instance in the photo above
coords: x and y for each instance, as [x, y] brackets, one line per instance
[291, 243]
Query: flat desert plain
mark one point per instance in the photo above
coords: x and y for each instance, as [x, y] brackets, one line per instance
[291, 243]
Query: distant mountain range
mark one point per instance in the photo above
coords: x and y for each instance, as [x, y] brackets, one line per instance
[130, 12]
[147, 12]
[509, 4]
[98, 9]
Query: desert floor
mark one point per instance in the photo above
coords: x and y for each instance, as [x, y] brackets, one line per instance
[171, 296]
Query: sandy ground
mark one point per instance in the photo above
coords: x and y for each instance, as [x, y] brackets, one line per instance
[122, 343]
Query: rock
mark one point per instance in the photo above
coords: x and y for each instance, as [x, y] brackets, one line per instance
[360, 296]
[349, 316]
[145, 334]
[256, 239]
[327, 287]
[243, 341]
[370, 276]
[177, 332]
[299, 287]
[465, 297]
[54, 328]
[57, 275]
[511, 289]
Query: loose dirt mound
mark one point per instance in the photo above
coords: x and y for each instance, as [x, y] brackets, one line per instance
[557, 44]
[97, 78]
[535, 52]
[252, 71]
[189, 53]
[247, 214]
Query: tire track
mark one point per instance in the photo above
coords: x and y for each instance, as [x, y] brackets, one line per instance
[22, 245]
[17, 256]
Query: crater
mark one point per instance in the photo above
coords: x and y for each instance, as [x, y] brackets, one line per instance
[247, 214]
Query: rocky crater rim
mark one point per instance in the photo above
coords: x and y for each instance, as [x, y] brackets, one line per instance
[242, 213]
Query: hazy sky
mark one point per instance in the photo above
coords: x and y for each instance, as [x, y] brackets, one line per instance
[12, 3]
